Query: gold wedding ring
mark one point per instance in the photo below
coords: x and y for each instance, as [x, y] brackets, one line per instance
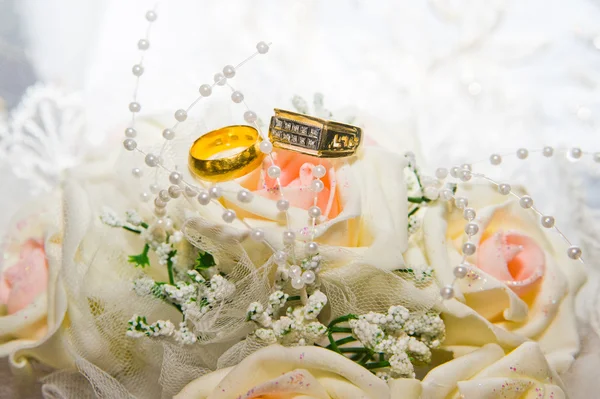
[313, 136]
[225, 168]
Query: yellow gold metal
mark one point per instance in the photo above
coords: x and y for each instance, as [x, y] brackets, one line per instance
[313, 136]
[230, 167]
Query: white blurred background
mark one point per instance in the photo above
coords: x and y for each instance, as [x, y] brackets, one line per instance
[452, 81]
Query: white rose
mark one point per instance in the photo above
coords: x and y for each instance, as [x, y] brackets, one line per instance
[297, 372]
[523, 284]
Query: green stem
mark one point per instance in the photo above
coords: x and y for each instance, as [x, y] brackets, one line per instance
[131, 229]
[170, 267]
[332, 345]
[381, 357]
[377, 365]
[356, 357]
[340, 330]
[293, 298]
[342, 319]
[144, 225]
[343, 341]
[418, 200]
[355, 350]
[368, 355]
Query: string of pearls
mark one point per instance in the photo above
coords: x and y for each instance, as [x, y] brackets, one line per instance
[205, 196]
[464, 173]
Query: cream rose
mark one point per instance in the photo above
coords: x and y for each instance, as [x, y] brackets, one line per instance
[488, 373]
[368, 199]
[32, 300]
[522, 283]
[296, 372]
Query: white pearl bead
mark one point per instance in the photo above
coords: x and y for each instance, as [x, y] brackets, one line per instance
[314, 212]
[317, 186]
[159, 203]
[319, 171]
[151, 16]
[180, 115]
[441, 173]
[495, 159]
[274, 171]
[312, 248]
[280, 257]
[468, 248]
[175, 177]
[471, 229]
[504, 189]
[154, 188]
[237, 97]
[522, 153]
[244, 196]
[446, 194]
[143, 44]
[215, 192]
[129, 144]
[220, 79]
[295, 270]
[204, 198]
[189, 192]
[575, 153]
[460, 271]
[574, 252]
[461, 202]
[160, 212]
[151, 160]
[168, 134]
[205, 90]
[447, 292]
[465, 175]
[283, 205]
[547, 221]
[257, 234]
[134, 106]
[137, 172]
[145, 197]
[137, 70]
[466, 166]
[250, 116]
[454, 171]
[297, 283]
[469, 214]
[174, 191]
[548, 151]
[266, 147]
[164, 195]
[309, 277]
[130, 132]
[229, 71]
[526, 202]
[168, 224]
[262, 47]
[597, 157]
[289, 237]
[228, 216]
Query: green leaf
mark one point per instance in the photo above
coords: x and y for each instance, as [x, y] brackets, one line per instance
[170, 266]
[142, 259]
[204, 261]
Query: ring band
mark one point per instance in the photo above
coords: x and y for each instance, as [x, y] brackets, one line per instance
[313, 136]
[225, 168]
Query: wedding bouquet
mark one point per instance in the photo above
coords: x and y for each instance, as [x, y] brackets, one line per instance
[290, 258]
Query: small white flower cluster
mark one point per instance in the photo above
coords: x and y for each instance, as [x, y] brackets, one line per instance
[420, 274]
[139, 327]
[401, 336]
[109, 217]
[163, 251]
[297, 328]
[133, 217]
[194, 298]
[414, 224]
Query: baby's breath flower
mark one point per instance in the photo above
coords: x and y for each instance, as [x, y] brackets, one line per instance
[109, 217]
